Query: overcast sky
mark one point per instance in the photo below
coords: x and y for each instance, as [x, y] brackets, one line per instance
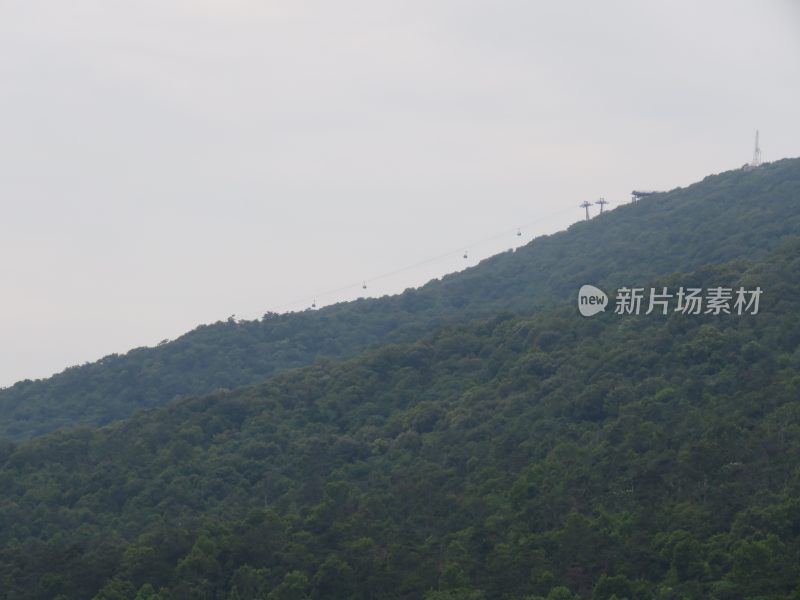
[165, 164]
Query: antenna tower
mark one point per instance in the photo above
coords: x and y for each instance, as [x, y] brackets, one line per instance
[756, 154]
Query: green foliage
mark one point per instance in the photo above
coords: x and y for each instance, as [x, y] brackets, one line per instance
[733, 215]
[546, 456]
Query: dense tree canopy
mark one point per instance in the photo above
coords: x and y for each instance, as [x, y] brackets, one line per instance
[516, 457]
[738, 214]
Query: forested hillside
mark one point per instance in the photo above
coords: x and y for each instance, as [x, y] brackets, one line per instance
[735, 214]
[548, 455]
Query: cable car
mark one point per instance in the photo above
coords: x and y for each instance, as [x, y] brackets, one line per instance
[465, 254]
[364, 285]
[519, 232]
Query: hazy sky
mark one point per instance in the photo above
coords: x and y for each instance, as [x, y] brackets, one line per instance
[166, 163]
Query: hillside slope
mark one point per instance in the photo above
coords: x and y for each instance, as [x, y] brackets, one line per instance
[618, 456]
[735, 214]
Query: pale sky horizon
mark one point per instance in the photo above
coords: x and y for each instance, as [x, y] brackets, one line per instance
[166, 164]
